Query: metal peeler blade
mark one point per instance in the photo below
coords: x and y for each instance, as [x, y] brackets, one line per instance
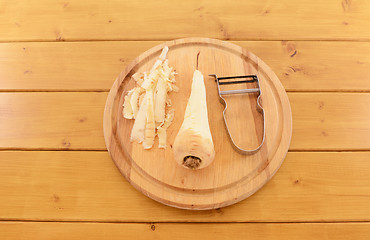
[247, 79]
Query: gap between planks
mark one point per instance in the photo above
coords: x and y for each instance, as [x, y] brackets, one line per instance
[105, 150]
[169, 39]
[181, 222]
[107, 90]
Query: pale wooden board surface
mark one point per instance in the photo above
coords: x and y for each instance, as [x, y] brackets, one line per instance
[85, 20]
[86, 186]
[72, 121]
[231, 177]
[252, 231]
[93, 66]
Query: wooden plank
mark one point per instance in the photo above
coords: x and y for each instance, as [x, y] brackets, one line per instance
[52, 120]
[93, 66]
[71, 231]
[65, 66]
[86, 186]
[330, 121]
[132, 20]
[65, 120]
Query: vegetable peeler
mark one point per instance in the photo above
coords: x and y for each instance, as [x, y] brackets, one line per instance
[244, 79]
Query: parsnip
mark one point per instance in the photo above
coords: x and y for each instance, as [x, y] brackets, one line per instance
[193, 147]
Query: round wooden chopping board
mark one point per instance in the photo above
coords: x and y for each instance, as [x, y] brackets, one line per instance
[231, 177]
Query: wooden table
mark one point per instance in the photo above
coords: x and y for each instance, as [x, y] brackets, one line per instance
[58, 60]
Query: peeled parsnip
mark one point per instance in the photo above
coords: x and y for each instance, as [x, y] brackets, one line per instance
[193, 147]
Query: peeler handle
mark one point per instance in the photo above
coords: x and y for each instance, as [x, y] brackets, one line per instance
[259, 109]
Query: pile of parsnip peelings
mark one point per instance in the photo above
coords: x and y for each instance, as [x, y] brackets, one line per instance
[148, 103]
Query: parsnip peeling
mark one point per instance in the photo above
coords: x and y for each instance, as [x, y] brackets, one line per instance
[168, 101]
[141, 98]
[127, 109]
[161, 58]
[137, 132]
[134, 100]
[153, 75]
[162, 129]
[148, 102]
[160, 100]
[149, 134]
[173, 87]
[139, 78]
[150, 80]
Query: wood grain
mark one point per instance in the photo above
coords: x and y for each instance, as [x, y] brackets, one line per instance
[306, 231]
[321, 121]
[330, 121]
[144, 20]
[52, 120]
[86, 186]
[93, 66]
[231, 177]
[84, 66]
